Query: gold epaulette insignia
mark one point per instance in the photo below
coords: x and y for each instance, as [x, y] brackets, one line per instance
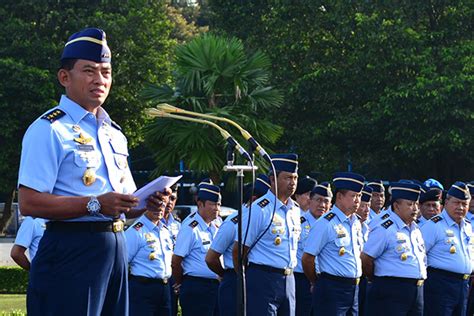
[387, 224]
[138, 225]
[193, 224]
[263, 203]
[385, 216]
[329, 216]
[436, 219]
[302, 219]
[53, 115]
[235, 220]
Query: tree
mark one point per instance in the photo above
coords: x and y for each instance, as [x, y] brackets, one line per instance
[213, 75]
[382, 86]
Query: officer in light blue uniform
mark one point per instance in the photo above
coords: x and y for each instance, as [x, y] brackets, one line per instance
[190, 217]
[449, 245]
[394, 258]
[272, 242]
[320, 203]
[430, 205]
[196, 283]
[377, 198]
[149, 247]
[74, 164]
[336, 240]
[28, 237]
[303, 192]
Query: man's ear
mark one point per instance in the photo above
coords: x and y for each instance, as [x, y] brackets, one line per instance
[64, 77]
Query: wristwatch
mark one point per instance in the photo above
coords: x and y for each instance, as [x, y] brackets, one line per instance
[93, 206]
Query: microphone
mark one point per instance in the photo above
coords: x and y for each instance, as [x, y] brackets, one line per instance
[248, 137]
[229, 139]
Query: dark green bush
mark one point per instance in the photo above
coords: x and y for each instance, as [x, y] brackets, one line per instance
[13, 280]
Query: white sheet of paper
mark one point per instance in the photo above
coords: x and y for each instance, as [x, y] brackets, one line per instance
[156, 185]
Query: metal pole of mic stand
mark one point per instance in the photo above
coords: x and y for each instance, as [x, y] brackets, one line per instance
[241, 287]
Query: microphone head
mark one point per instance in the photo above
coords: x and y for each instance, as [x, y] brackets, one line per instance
[167, 107]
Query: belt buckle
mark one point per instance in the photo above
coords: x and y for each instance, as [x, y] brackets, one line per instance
[420, 282]
[165, 281]
[466, 276]
[357, 281]
[117, 226]
[287, 271]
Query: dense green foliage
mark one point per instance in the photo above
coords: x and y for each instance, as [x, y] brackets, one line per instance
[213, 75]
[14, 280]
[385, 86]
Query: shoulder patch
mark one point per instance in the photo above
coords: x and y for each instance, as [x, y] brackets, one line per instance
[436, 218]
[387, 224]
[193, 224]
[138, 225]
[53, 115]
[235, 220]
[176, 218]
[302, 219]
[115, 125]
[263, 203]
[385, 216]
[329, 216]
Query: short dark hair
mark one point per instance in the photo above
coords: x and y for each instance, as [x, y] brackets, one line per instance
[67, 63]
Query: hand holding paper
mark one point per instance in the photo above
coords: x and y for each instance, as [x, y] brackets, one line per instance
[157, 185]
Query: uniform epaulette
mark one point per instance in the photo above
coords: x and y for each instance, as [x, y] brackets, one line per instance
[115, 125]
[329, 216]
[387, 224]
[263, 203]
[176, 218]
[296, 203]
[436, 218]
[235, 220]
[467, 221]
[417, 221]
[138, 225]
[302, 219]
[385, 216]
[53, 115]
[358, 216]
[193, 224]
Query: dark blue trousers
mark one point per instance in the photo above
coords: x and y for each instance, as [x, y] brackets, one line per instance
[363, 301]
[227, 294]
[303, 295]
[395, 296]
[149, 299]
[335, 297]
[198, 296]
[174, 298]
[470, 301]
[269, 293]
[79, 274]
[445, 295]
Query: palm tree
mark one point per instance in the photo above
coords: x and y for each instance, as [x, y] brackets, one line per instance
[213, 75]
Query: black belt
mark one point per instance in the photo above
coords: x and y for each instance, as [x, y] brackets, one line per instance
[146, 280]
[417, 282]
[352, 281]
[83, 227]
[200, 279]
[286, 271]
[454, 275]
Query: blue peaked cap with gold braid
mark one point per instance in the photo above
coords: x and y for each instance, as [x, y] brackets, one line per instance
[209, 192]
[366, 193]
[88, 44]
[348, 181]
[406, 191]
[460, 191]
[285, 162]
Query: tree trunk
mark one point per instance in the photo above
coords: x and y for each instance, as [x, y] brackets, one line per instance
[7, 211]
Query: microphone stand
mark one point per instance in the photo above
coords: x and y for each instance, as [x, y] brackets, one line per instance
[239, 169]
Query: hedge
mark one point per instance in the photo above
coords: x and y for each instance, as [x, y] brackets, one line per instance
[13, 280]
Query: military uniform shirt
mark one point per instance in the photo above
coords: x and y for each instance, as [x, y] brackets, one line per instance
[173, 226]
[336, 240]
[278, 246]
[398, 249]
[30, 233]
[224, 240]
[381, 217]
[470, 217]
[193, 242]
[421, 221]
[149, 248]
[448, 245]
[372, 215]
[307, 221]
[365, 231]
[57, 152]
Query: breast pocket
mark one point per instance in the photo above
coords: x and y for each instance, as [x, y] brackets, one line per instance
[342, 242]
[86, 159]
[120, 150]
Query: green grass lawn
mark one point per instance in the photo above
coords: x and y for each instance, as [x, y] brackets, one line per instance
[12, 304]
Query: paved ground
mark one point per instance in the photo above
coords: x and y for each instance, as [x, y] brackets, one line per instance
[6, 245]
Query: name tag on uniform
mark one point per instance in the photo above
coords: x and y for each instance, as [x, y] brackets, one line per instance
[85, 147]
[449, 233]
[206, 242]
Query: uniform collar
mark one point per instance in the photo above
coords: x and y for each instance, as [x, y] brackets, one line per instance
[449, 220]
[170, 221]
[340, 214]
[310, 218]
[271, 197]
[399, 222]
[77, 112]
[149, 224]
[201, 221]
